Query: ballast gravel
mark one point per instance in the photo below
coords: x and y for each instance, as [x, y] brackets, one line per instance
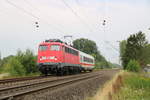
[77, 91]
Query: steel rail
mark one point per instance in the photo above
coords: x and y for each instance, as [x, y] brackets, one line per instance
[19, 79]
[23, 89]
[16, 81]
[52, 79]
[11, 80]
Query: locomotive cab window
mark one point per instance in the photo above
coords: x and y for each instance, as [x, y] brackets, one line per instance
[55, 48]
[42, 47]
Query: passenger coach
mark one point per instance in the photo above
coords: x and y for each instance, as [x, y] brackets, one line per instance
[56, 57]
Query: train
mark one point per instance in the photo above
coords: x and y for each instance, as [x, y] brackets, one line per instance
[58, 58]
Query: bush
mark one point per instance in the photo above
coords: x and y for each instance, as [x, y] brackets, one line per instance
[28, 60]
[14, 67]
[24, 63]
[133, 66]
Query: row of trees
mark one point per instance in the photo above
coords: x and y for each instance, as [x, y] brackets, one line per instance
[23, 63]
[135, 50]
[90, 47]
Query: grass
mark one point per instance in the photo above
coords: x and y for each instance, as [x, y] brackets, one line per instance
[1, 69]
[135, 87]
[105, 91]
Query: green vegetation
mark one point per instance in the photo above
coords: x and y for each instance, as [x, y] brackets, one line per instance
[14, 67]
[135, 87]
[135, 55]
[133, 66]
[90, 47]
[122, 45]
[28, 60]
[136, 48]
[22, 64]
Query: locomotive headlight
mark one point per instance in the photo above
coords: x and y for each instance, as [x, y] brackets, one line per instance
[44, 57]
[55, 58]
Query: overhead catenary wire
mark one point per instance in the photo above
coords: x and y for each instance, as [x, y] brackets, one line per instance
[30, 14]
[27, 2]
[78, 3]
[76, 14]
[2, 13]
[104, 17]
[38, 10]
[112, 46]
[21, 9]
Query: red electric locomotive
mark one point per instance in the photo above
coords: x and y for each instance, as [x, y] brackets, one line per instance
[56, 57]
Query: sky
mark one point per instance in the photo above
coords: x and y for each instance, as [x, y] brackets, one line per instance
[79, 18]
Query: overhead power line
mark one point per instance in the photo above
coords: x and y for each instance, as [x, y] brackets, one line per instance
[27, 2]
[21, 9]
[38, 10]
[30, 14]
[112, 46]
[76, 14]
[78, 3]
[2, 13]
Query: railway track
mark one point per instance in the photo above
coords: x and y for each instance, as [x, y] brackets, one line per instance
[25, 80]
[4, 81]
[25, 87]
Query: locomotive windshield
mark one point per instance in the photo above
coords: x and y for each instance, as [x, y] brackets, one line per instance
[55, 48]
[42, 47]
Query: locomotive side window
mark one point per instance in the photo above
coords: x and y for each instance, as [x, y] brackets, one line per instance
[66, 50]
[55, 48]
[42, 47]
[71, 51]
[63, 48]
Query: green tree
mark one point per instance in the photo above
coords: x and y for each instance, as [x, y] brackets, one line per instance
[145, 55]
[134, 47]
[122, 45]
[28, 60]
[5, 60]
[85, 45]
[90, 47]
[0, 60]
[0, 56]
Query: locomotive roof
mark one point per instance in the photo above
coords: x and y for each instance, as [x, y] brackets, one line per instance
[46, 43]
[59, 43]
[64, 44]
